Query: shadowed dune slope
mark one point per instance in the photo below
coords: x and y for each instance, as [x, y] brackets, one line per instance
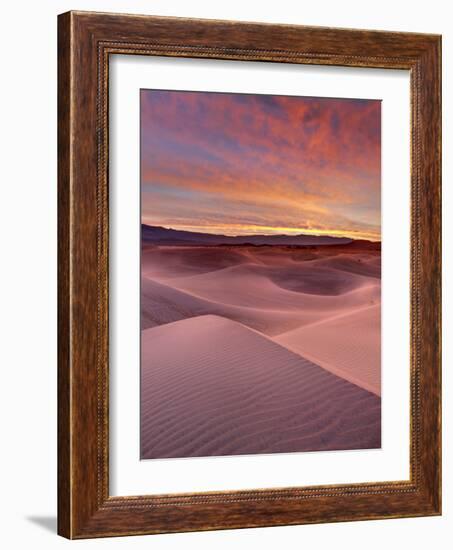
[225, 389]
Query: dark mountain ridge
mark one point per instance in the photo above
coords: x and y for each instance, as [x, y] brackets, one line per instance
[162, 235]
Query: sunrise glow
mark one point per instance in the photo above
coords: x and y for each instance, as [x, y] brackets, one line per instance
[239, 164]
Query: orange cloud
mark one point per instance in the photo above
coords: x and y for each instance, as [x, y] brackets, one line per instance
[277, 159]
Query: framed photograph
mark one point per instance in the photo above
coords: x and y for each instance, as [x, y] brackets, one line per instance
[249, 275]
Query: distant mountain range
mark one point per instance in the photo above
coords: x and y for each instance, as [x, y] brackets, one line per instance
[162, 235]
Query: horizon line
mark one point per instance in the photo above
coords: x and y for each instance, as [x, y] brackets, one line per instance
[295, 233]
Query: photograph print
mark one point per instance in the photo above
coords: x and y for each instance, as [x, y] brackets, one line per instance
[260, 274]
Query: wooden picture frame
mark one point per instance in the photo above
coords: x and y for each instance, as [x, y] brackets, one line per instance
[85, 42]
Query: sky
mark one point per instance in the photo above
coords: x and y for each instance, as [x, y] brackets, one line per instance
[243, 164]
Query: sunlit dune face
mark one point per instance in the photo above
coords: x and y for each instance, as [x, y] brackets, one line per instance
[241, 164]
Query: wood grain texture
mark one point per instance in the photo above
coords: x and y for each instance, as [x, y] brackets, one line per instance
[64, 370]
[86, 40]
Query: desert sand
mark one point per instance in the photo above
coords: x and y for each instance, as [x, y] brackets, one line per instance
[258, 349]
[225, 389]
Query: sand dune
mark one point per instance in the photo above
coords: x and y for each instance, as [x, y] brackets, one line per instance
[172, 262]
[162, 304]
[248, 293]
[347, 345]
[211, 386]
[308, 278]
[278, 288]
[251, 349]
[365, 264]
